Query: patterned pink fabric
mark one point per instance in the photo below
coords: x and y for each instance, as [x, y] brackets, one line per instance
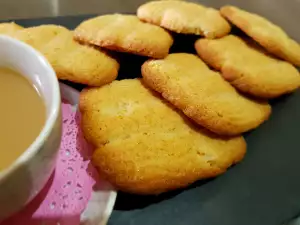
[67, 192]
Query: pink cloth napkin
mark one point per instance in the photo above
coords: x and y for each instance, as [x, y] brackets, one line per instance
[67, 192]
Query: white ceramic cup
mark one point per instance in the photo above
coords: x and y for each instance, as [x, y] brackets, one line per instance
[27, 175]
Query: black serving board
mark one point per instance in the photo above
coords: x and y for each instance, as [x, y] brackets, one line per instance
[264, 189]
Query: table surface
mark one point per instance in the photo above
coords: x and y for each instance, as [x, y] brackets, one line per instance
[284, 13]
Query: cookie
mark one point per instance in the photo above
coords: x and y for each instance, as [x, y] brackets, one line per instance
[9, 28]
[203, 95]
[80, 63]
[247, 68]
[185, 17]
[267, 34]
[144, 146]
[125, 33]
[71, 61]
[38, 36]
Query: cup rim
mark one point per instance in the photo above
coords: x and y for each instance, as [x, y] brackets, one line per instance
[52, 116]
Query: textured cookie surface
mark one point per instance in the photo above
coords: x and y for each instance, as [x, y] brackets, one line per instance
[185, 17]
[247, 68]
[203, 95]
[125, 33]
[144, 146]
[38, 36]
[70, 60]
[80, 63]
[267, 34]
[9, 28]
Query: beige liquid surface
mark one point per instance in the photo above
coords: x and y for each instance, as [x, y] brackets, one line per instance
[22, 115]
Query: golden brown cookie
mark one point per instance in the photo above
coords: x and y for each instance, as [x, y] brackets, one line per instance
[125, 33]
[80, 63]
[38, 36]
[9, 28]
[267, 34]
[247, 68]
[144, 146]
[203, 95]
[70, 60]
[185, 17]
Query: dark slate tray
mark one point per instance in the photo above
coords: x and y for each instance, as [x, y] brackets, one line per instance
[262, 190]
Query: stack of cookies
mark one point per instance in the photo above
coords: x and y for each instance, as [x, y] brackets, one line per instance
[183, 120]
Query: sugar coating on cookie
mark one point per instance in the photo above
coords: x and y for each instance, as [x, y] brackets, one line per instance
[125, 33]
[267, 34]
[185, 17]
[145, 146]
[71, 61]
[247, 68]
[9, 28]
[203, 95]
